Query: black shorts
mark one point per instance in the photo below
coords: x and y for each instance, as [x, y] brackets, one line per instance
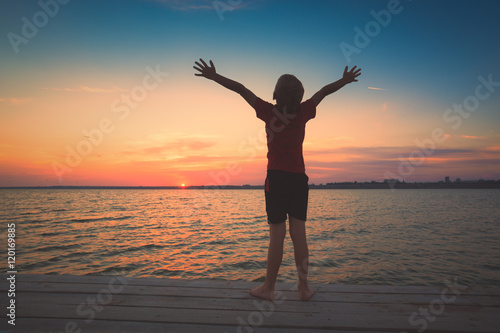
[286, 194]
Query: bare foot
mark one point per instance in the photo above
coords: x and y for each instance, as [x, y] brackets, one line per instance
[262, 292]
[305, 292]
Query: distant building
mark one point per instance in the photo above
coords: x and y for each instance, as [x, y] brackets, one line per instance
[447, 179]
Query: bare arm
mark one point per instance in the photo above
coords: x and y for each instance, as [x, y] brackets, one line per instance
[348, 77]
[210, 73]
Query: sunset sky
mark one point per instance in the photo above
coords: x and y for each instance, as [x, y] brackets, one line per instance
[104, 93]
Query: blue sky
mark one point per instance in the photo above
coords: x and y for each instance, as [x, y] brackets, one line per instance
[428, 57]
[452, 42]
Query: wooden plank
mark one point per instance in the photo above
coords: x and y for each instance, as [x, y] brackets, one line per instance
[251, 304]
[463, 323]
[95, 288]
[32, 325]
[94, 279]
[238, 284]
[132, 290]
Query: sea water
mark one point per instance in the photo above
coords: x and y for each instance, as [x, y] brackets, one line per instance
[402, 237]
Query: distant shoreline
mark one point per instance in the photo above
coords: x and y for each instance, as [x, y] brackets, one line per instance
[390, 184]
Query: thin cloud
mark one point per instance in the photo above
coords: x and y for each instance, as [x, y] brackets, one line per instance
[373, 162]
[14, 101]
[189, 5]
[190, 145]
[493, 148]
[188, 163]
[472, 137]
[174, 148]
[186, 5]
[375, 88]
[355, 154]
[89, 90]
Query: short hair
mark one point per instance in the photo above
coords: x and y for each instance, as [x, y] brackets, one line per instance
[290, 86]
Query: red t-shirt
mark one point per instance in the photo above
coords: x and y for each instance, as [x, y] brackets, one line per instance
[285, 135]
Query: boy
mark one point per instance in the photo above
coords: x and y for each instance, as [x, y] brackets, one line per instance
[286, 187]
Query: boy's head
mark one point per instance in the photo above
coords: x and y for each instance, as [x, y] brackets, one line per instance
[288, 92]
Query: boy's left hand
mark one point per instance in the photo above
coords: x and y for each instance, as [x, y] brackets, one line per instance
[206, 71]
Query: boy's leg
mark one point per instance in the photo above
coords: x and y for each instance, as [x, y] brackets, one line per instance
[277, 232]
[301, 252]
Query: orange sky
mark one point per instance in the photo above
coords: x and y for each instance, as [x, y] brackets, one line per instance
[194, 132]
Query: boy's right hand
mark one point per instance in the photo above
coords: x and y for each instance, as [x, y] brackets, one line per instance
[206, 71]
[351, 76]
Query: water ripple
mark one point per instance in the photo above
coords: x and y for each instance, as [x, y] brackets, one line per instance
[355, 236]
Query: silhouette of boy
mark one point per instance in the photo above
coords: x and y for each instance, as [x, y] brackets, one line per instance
[286, 185]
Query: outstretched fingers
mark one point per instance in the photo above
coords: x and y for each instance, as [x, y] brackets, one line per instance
[204, 63]
[200, 65]
[356, 74]
[352, 74]
[205, 70]
[203, 67]
[199, 70]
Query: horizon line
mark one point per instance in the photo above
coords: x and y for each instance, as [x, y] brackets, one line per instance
[260, 186]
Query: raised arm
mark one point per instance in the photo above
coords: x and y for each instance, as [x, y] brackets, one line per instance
[348, 77]
[210, 73]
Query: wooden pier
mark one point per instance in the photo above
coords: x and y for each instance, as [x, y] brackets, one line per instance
[68, 303]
